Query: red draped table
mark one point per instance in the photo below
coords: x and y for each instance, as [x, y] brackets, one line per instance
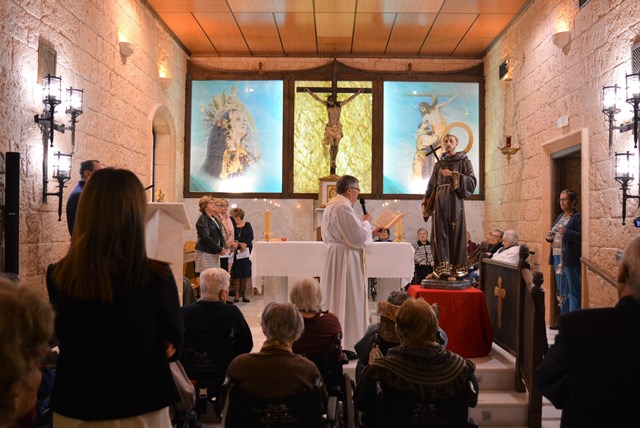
[463, 316]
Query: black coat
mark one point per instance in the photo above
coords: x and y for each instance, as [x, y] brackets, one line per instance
[592, 371]
[210, 238]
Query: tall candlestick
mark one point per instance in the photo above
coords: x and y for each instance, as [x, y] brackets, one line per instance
[267, 225]
[399, 228]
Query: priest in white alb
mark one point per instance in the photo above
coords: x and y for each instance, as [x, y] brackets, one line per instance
[343, 278]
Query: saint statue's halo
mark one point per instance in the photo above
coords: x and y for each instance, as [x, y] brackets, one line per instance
[464, 126]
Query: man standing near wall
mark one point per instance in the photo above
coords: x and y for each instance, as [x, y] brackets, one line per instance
[343, 280]
[86, 169]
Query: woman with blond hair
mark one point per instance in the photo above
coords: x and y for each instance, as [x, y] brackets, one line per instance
[117, 314]
[418, 372]
[210, 245]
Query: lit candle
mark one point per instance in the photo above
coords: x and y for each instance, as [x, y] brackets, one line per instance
[267, 224]
[399, 228]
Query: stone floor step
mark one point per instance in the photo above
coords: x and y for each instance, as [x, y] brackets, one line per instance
[500, 408]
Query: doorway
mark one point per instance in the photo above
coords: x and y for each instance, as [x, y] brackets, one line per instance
[565, 166]
[565, 174]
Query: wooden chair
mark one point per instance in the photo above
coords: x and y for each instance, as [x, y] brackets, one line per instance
[189, 265]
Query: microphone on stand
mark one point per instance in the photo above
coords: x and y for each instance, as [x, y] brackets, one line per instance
[364, 208]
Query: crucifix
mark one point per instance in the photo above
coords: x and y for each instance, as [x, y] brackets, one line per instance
[333, 129]
[500, 294]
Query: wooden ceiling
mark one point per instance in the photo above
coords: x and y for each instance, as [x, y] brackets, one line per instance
[358, 28]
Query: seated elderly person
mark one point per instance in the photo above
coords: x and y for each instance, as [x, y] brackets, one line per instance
[380, 337]
[276, 372]
[510, 250]
[211, 311]
[417, 373]
[214, 333]
[591, 370]
[422, 258]
[320, 341]
[491, 244]
[320, 327]
[26, 324]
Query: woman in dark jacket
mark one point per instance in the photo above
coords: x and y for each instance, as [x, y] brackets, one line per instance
[117, 314]
[210, 245]
[565, 237]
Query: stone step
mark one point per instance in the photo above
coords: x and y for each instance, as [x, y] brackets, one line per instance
[500, 408]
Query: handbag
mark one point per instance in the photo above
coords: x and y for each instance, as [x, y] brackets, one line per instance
[185, 388]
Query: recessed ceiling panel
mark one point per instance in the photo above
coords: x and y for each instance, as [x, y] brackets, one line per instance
[409, 32]
[482, 6]
[297, 31]
[223, 32]
[372, 33]
[446, 33]
[260, 32]
[238, 6]
[189, 32]
[400, 6]
[189, 6]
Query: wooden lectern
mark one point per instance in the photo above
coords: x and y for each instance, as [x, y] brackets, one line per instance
[164, 228]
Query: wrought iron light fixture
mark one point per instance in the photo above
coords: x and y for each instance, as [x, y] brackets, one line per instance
[51, 98]
[610, 107]
[61, 173]
[624, 174]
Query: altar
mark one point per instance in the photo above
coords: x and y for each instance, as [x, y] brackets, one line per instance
[282, 262]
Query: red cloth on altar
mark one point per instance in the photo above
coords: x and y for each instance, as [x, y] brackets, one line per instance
[463, 316]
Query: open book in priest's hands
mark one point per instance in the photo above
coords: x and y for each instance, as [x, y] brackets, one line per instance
[386, 219]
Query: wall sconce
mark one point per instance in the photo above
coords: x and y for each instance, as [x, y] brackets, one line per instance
[508, 150]
[51, 97]
[624, 174]
[62, 173]
[561, 39]
[126, 49]
[165, 82]
[75, 101]
[610, 98]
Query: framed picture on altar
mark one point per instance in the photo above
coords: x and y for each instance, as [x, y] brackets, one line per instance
[327, 190]
[235, 140]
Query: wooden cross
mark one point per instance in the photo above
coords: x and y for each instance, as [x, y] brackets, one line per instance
[501, 294]
[334, 90]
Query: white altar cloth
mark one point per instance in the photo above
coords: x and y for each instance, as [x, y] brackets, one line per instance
[304, 258]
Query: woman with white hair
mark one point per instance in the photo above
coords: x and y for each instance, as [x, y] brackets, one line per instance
[320, 327]
[276, 372]
[211, 311]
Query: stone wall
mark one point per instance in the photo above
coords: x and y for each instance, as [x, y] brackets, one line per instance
[121, 98]
[547, 83]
